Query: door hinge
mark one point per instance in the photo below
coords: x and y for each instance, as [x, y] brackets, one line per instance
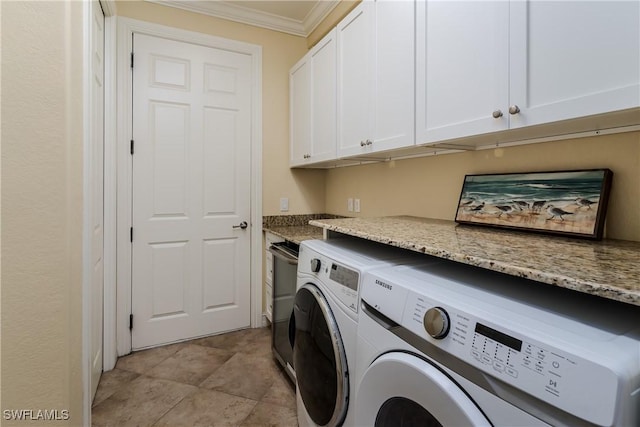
[131, 59]
[132, 147]
[130, 321]
[131, 234]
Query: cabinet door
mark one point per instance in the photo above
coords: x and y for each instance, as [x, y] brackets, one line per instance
[269, 239]
[394, 80]
[376, 77]
[324, 99]
[300, 112]
[268, 261]
[462, 68]
[355, 80]
[573, 58]
[268, 312]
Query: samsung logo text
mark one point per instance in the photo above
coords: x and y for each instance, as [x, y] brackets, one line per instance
[384, 285]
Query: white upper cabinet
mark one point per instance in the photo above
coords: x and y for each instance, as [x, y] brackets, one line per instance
[376, 77]
[355, 79]
[462, 67]
[487, 66]
[573, 58]
[394, 83]
[300, 111]
[324, 98]
[312, 85]
[395, 73]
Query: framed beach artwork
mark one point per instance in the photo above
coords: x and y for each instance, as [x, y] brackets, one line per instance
[571, 203]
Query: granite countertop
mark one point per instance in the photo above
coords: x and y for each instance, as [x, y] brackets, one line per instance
[295, 228]
[296, 233]
[608, 269]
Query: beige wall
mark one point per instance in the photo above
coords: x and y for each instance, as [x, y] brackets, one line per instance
[42, 208]
[279, 52]
[430, 186]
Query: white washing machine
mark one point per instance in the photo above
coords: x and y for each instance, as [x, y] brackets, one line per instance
[324, 322]
[455, 345]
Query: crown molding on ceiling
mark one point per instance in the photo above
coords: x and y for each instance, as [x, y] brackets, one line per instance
[246, 15]
[108, 7]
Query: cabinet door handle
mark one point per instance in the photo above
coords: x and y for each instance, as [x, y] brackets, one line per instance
[362, 143]
[369, 142]
[497, 114]
[514, 109]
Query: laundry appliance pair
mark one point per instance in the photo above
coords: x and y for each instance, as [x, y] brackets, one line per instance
[385, 337]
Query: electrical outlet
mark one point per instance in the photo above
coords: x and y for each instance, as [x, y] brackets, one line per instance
[356, 205]
[350, 204]
[284, 204]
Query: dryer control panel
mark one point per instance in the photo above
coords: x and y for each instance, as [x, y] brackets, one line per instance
[549, 356]
[541, 370]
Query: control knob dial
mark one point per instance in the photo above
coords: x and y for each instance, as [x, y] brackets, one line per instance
[436, 322]
[315, 265]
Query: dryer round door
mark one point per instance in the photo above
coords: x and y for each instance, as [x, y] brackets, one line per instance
[319, 358]
[404, 389]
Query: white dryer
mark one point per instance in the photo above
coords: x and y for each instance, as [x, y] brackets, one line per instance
[324, 322]
[455, 345]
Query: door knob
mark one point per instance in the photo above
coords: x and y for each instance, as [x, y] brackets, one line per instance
[514, 109]
[497, 114]
[242, 225]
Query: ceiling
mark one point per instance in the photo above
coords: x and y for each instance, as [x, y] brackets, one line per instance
[297, 17]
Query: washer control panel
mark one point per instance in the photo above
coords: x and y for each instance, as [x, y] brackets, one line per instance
[546, 372]
[340, 279]
[344, 275]
[343, 282]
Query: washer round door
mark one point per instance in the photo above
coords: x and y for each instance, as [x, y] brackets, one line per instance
[319, 358]
[403, 389]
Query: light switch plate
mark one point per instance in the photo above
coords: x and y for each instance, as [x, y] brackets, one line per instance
[350, 204]
[356, 205]
[284, 204]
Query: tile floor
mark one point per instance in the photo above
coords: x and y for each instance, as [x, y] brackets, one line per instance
[224, 380]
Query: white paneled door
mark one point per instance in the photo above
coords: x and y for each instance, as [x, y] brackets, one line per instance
[191, 191]
[96, 191]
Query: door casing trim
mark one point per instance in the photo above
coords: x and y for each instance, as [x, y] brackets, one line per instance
[109, 353]
[108, 346]
[120, 171]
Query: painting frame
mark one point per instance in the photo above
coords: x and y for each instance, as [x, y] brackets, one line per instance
[571, 203]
